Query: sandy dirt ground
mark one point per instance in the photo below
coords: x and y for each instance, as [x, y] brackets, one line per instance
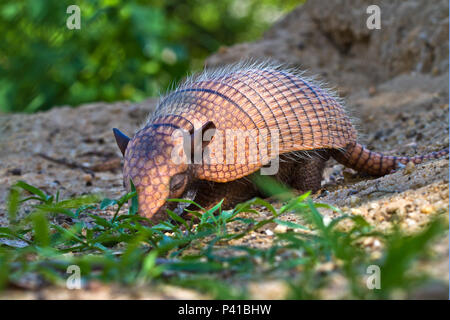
[394, 82]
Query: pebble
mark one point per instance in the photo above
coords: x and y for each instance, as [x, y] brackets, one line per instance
[376, 255]
[280, 229]
[65, 225]
[355, 211]
[348, 174]
[435, 71]
[326, 267]
[327, 220]
[354, 200]
[345, 209]
[392, 209]
[15, 172]
[368, 242]
[258, 260]
[409, 168]
[269, 232]
[268, 290]
[223, 49]
[427, 209]
[87, 177]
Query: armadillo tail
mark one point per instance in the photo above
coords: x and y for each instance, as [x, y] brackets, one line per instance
[357, 157]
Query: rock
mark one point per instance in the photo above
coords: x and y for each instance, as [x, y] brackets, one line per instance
[336, 41]
[280, 229]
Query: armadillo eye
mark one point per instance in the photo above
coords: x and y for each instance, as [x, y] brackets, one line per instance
[178, 181]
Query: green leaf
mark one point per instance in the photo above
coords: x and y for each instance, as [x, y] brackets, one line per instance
[5, 273]
[55, 208]
[126, 197]
[194, 266]
[107, 203]
[290, 224]
[316, 216]
[177, 218]
[271, 187]
[13, 205]
[296, 203]
[41, 228]
[33, 190]
[149, 268]
[101, 221]
[78, 202]
[134, 200]
[267, 205]
[67, 234]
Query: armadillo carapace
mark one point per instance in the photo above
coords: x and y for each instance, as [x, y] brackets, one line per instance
[235, 121]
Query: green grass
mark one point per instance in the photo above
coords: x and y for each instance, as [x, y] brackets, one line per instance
[128, 249]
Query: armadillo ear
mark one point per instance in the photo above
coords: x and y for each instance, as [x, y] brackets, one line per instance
[121, 139]
[197, 136]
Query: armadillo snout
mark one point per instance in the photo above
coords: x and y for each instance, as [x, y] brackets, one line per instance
[148, 163]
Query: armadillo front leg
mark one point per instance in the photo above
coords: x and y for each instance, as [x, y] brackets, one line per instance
[234, 192]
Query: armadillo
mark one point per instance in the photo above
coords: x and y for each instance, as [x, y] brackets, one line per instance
[261, 101]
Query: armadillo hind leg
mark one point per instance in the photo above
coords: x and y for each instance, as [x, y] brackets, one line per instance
[303, 170]
[307, 174]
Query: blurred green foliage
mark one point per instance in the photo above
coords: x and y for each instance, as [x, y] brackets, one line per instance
[125, 49]
[37, 249]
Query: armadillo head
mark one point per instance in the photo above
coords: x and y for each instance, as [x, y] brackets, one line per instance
[156, 161]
